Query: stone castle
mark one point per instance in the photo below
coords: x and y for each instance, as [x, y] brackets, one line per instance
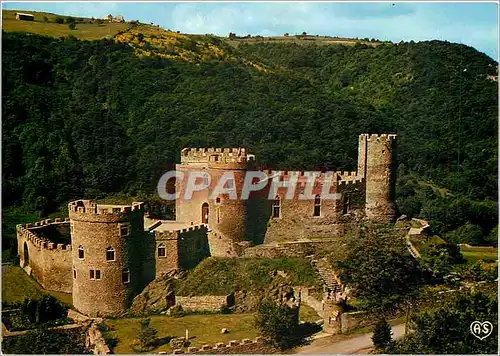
[106, 254]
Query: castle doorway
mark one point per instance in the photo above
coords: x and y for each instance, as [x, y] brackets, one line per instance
[204, 213]
[26, 255]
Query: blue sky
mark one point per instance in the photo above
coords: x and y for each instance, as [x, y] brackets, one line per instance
[474, 23]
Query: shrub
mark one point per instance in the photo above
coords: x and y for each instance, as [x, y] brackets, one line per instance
[278, 324]
[45, 19]
[382, 334]
[70, 19]
[72, 25]
[43, 310]
[147, 334]
[59, 19]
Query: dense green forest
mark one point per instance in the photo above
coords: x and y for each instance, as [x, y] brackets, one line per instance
[90, 119]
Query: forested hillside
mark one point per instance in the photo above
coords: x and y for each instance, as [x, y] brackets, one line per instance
[88, 119]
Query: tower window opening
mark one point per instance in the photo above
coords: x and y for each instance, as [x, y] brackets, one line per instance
[110, 254]
[97, 274]
[277, 207]
[317, 205]
[204, 213]
[161, 250]
[92, 274]
[345, 207]
[81, 253]
[126, 275]
[217, 200]
[124, 230]
[74, 273]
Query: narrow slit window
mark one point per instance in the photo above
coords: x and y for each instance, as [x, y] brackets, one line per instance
[126, 275]
[110, 254]
[92, 274]
[277, 207]
[81, 253]
[161, 250]
[74, 273]
[317, 205]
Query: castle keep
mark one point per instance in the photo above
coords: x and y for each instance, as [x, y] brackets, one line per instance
[106, 254]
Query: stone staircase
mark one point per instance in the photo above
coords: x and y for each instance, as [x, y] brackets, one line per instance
[326, 273]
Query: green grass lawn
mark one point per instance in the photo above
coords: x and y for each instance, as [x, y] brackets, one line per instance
[476, 253]
[17, 285]
[308, 314]
[203, 329]
[83, 31]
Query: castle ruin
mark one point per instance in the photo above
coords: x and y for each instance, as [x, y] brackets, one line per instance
[105, 254]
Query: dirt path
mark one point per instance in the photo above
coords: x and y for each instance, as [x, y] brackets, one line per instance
[349, 346]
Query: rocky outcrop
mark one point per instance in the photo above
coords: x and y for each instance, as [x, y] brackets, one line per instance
[158, 296]
[279, 290]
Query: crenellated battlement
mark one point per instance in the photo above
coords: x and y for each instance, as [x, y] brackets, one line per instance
[170, 232]
[302, 175]
[379, 137]
[27, 233]
[357, 180]
[216, 155]
[89, 208]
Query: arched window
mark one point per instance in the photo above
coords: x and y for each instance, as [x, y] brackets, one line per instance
[110, 254]
[317, 205]
[161, 250]
[276, 207]
[81, 252]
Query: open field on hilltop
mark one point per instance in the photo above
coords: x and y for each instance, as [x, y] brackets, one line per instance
[203, 329]
[83, 30]
[476, 253]
[17, 285]
[304, 40]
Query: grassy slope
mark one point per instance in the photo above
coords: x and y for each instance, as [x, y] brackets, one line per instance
[17, 285]
[83, 31]
[203, 329]
[223, 276]
[476, 253]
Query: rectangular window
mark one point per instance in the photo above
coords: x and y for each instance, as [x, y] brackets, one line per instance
[124, 230]
[97, 274]
[74, 273]
[92, 274]
[161, 251]
[126, 276]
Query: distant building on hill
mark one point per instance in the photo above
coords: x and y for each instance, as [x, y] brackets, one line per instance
[118, 18]
[25, 17]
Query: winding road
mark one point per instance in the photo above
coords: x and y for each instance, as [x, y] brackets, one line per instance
[349, 346]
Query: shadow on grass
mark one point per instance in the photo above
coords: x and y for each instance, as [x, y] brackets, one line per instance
[305, 331]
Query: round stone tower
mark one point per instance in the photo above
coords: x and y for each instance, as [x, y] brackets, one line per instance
[106, 264]
[377, 164]
[228, 217]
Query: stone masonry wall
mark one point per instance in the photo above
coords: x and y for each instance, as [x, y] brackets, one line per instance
[49, 263]
[96, 228]
[205, 302]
